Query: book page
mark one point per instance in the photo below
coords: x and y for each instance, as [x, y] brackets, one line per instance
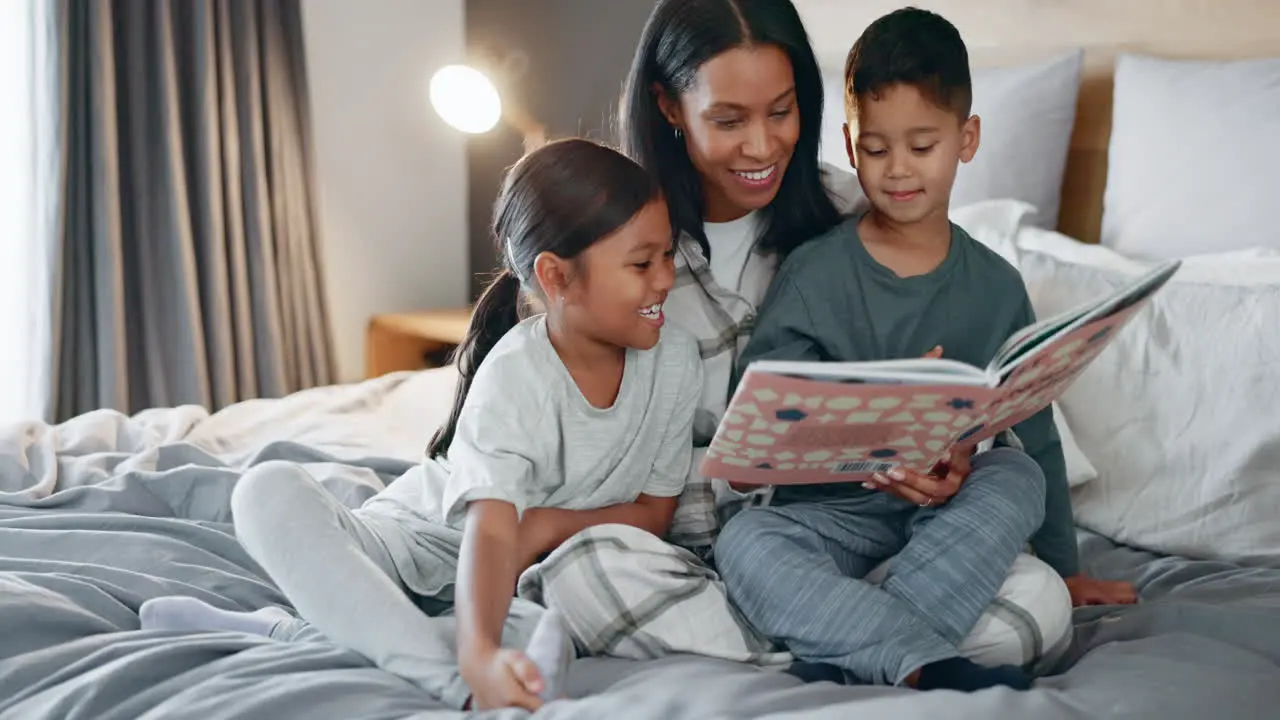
[1027, 340]
[1044, 376]
[782, 430]
[911, 370]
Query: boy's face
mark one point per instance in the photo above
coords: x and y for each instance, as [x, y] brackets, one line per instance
[906, 150]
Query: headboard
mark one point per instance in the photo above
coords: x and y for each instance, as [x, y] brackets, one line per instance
[1000, 32]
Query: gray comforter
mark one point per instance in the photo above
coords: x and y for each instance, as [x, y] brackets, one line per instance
[97, 517]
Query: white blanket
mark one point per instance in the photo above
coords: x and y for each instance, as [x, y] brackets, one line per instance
[388, 417]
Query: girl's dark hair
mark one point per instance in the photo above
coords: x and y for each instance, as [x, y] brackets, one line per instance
[562, 198]
[679, 37]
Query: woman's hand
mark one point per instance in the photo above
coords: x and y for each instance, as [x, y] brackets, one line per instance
[1091, 591]
[927, 490]
[935, 488]
[502, 678]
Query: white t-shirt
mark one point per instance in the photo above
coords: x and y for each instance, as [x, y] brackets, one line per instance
[732, 243]
[746, 275]
[731, 246]
[737, 268]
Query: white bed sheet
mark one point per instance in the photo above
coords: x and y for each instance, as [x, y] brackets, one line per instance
[390, 417]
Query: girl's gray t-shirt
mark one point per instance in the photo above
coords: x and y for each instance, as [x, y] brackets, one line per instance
[527, 436]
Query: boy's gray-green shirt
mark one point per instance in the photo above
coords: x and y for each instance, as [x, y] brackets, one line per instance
[832, 301]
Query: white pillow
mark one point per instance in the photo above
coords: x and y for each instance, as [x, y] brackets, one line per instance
[1195, 146]
[1179, 413]
[1079, 469]
[1027, 114]
[997, 224]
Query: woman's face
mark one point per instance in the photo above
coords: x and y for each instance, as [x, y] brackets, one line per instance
[740, 123]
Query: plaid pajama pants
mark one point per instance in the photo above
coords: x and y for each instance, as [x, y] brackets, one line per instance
[625, 593]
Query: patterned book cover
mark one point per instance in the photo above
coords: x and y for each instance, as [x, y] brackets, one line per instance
[789, 429]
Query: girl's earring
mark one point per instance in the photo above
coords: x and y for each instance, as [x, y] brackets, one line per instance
[679, 134]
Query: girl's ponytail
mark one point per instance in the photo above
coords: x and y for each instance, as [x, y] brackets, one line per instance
[496, 312]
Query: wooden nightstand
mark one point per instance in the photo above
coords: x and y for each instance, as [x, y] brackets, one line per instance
[413, 340]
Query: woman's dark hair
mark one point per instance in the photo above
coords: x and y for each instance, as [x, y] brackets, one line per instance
[679, 37]
[561, 198]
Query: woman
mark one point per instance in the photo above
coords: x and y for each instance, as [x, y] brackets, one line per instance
[724, 105]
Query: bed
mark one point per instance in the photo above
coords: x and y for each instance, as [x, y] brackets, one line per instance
[105, 511]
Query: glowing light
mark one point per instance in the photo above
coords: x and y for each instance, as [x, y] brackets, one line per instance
[465, 98]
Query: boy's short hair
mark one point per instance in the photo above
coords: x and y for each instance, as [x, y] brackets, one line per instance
[912, 47]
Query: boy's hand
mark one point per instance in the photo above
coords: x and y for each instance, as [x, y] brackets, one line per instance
[1091, 591]
[502, 678]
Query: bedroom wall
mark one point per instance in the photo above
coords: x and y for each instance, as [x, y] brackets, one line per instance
[391, 175]
[579, 52]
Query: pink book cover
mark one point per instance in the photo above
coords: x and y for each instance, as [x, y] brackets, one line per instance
[790, 430]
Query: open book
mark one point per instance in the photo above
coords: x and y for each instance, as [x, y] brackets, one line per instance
[821, 422]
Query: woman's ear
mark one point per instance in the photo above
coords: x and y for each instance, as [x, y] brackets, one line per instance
[669, 106]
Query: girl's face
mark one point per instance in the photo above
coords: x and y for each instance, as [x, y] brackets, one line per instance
[740, 123]
[613, 293]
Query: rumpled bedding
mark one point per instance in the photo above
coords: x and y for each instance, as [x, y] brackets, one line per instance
[105, 511]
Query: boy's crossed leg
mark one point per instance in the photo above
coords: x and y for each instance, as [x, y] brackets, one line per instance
[796, 572]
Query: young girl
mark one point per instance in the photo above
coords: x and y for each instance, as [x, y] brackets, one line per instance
[576, 417]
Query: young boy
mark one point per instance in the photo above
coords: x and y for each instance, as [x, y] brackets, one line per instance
[901, 281]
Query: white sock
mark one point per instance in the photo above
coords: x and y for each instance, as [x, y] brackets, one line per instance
[187, 613]
[551, 649]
